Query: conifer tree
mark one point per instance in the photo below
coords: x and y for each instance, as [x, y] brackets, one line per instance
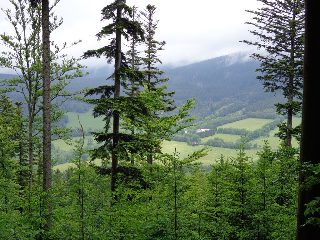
[118, 12]
[240, 179]
[151, 59]
[134, 61]
[219, 199]
[279, 26]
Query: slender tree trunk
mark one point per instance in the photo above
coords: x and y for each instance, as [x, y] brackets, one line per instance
[30, 153]
[46, 109]
[116, 119]
[175, 199]
[309, 150]
[289, 127]
[133, 65]
[290, 115]
[149, 157]
[291, 78]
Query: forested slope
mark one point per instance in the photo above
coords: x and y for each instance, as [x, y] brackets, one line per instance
[226, 83]
[222, 85]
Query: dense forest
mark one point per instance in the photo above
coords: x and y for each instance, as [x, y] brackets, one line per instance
[125, 186]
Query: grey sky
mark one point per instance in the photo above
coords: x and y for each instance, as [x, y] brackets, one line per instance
[194, 30]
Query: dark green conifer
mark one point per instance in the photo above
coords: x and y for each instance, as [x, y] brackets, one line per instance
[106, 106]
[151, 60]
[279, 26]
[151, 72]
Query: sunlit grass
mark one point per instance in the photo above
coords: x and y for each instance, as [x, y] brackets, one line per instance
[182, 148]
[250, 124]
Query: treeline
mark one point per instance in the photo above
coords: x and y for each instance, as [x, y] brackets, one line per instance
[219, 142]
[234, 199]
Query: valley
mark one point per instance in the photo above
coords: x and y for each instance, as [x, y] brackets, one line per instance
[61, 148]
[227, 93]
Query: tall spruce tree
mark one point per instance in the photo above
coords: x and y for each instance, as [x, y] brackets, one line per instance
[121, 25]
[134, 61]
[279, 26]
[151, 71]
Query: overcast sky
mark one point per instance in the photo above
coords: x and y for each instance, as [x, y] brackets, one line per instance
[194, 30]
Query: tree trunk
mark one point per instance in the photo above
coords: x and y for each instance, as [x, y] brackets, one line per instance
[309, 150]
[30, 153]
[46, 109]
[289, 124]
[116, 119]
[291, 77]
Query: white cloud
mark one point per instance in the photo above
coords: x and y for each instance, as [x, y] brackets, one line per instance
[194, 31]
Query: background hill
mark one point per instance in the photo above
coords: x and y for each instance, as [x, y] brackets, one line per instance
[225, 84]
[222, 85]
[227, 91]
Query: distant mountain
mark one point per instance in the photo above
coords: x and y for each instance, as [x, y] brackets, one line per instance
[6, 76]
[223, 82]
[221, 85]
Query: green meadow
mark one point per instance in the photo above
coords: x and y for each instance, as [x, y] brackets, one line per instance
[86, 119]
[183, 149]
[250, 124]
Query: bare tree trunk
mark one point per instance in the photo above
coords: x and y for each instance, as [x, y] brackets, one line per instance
[116, 119]
[290, 115]
[291, 78]
[46, 109]
[309, 150]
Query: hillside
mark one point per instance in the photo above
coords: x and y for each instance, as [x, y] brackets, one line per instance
[227, 82]
[222, 85]
[226, 89]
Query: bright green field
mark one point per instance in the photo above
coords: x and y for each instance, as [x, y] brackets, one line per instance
[182, 148]
[65, 147]
[274, 141]
[65, 166]
[250, 124]
[215, 153]
[86, 119]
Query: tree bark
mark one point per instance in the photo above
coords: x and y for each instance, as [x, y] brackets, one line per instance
[116, 119]
[309, 150]
[46, 109]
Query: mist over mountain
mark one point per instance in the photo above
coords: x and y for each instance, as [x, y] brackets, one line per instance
[225, 83]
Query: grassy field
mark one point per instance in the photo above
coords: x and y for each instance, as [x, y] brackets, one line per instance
[62, 145]
[65, 166]
[215, 152]
[86, 119]
[182, 148]
[250, 124]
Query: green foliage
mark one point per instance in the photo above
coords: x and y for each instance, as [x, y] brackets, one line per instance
[23, 55]
[279, 25]
[172, 198]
